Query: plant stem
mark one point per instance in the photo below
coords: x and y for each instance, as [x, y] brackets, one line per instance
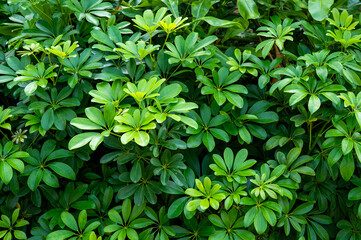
[49, 59]
[166, 38]
[115, 134]
[141, 62]
[4, 135]
[318, 137]
[61, 64]
[310, 139]
[35, 57]
[32, 141]
[175, 70]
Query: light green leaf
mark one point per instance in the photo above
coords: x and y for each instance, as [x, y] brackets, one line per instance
[193, 205]
[319, 8]
[200, 8]
[81, 140]
[248, 9]
[85, 124]
[6, 172]
[314, 104]
[30, 88]
[347, 145]
[172, 6]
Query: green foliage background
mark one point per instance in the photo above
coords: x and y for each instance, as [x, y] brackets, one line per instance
[180, 119]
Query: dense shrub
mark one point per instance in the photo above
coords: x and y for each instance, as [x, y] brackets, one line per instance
[180, 119]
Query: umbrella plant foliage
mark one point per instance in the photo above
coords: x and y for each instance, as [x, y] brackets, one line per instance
[168, 119]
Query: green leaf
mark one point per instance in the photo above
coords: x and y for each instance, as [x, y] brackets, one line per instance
[193, 205]
[234, 98]
[189, 121]
[208, 141]
[347, 167]
[81, 140]
[319, 8]
[295, 98]
[132, 234]
[172, 6]
[48, 119]
[244, 134]
[35, 178]
[103, 38]
[170, 91]
[216, 22]
[303, 208]
[219, 134]
[321, 232]
[245, 235]
[204, 204]
[38, 105]
[355, 194]
[85, 124]
[269, 215]
[272, 205]
[126, 209]
[260, 223]
[248, 9]
[305, 170]
[142, 223]
[141, 138]
[278, 171]
[218, 235]
[82, 219]
[293, 155]
[115, 217]
[193, 192]
[50, 179]
[59, 235]
[20, 234]
[194, 140]
[95, 115]
[15, 215]
[177, 207]
[250, 215]
[267, 47]
[84, 204]
[347, 145]
[314, 104]
[6, 172]
[216, 220]
[69, 220]
[63, 170]
[60, 153]
[201, 8]
[30, 88]
[96, 140]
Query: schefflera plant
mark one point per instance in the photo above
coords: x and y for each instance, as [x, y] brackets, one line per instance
[163, 101]
[134, 126]
[131, 123]
[235, 170]
[10, 156]
[206, 195]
